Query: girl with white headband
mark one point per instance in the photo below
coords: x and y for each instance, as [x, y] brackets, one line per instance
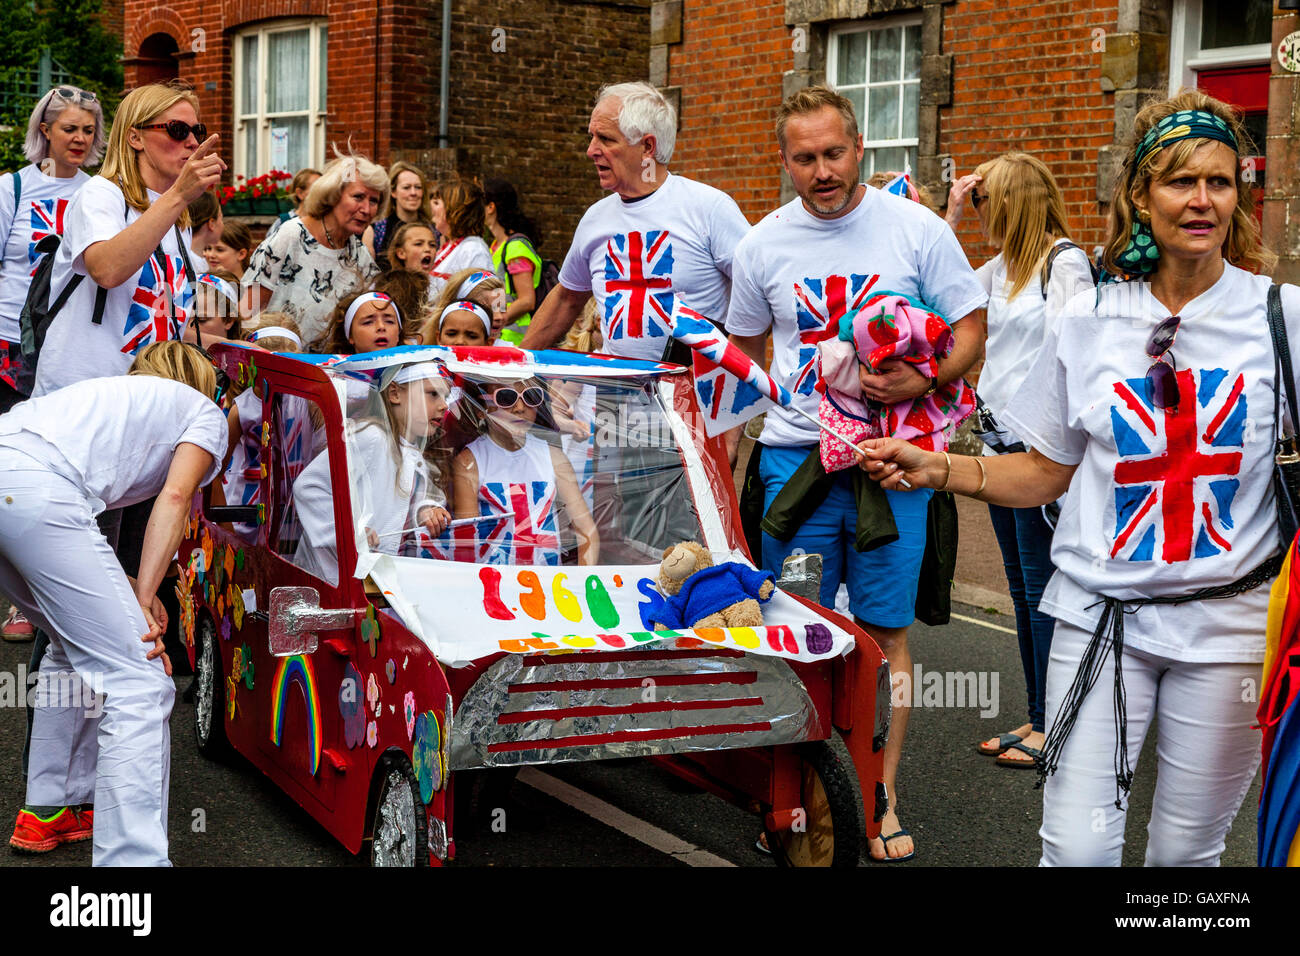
[464, 323]
[216, 309]
[362, 322]
[479, 286]
[241, 483]
[390, 479]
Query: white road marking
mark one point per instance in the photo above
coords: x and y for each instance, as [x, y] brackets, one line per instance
[975, 620]
[612, 816]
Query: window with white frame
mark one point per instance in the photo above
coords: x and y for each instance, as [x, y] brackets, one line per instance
[1210, 34]
[279, 96]
[877, 67]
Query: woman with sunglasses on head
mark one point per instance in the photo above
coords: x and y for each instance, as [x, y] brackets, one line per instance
[1036, 272]
[315, 259]
[65, 133]
[126, 240]
[1146, 394]
[65, 457]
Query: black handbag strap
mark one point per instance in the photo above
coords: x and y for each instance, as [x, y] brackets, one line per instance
[1281, 360]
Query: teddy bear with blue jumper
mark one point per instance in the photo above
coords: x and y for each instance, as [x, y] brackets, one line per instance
[702, 594]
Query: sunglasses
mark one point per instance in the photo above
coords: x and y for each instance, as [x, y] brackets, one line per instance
[509, 397]
[976, 199]
[223, 380]
[179, 130]
[1162, 377]
[69, 95]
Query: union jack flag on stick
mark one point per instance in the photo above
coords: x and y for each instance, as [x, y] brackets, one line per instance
[732, 388]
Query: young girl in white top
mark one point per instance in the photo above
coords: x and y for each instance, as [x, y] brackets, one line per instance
[1036, 271]
[458, 217]
[277, 332]
[511, 473]
[362, 322]
[392, 488]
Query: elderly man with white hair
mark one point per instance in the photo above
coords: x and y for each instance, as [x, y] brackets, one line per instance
[658, 235]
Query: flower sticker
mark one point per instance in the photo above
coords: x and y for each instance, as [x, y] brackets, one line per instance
[266, 434]
[354, 718]
[370, 632]
[425, 754]
[372, 734]
[237, 607]
[225, 628]
[390, 671]
[372, 693]
[248, 667]
[408, 711]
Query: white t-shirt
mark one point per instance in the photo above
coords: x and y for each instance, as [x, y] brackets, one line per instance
[455, 255]
[386, 497]
[797, 275]
[135, 312]
[113, 437]
[1162, 503]
[306, 279]
[44, 204]
[632, 256]
[1017, 327]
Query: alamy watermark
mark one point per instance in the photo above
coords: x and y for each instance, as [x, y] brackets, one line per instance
[64, 689]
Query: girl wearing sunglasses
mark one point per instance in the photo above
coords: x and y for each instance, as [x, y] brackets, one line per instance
[126, 240]
[511, 473]
[1143, 401]
[65, 457]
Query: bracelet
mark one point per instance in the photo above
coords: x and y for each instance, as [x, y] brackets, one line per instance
[984, 477]
[948, 476]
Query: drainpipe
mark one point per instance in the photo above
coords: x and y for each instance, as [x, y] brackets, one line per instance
[443, 141]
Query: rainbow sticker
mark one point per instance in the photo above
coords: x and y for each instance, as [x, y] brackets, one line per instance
[297, 670]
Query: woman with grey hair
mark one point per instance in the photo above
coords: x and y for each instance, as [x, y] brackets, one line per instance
[311, 262]
[65, 132]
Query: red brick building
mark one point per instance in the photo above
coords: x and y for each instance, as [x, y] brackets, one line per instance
[280, 80]
[945, 85]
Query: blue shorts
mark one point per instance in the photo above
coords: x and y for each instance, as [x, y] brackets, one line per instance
[882, 583]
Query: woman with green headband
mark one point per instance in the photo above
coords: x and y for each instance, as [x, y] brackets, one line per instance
[1152, 402]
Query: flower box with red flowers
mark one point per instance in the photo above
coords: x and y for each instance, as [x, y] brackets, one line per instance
[263, 195]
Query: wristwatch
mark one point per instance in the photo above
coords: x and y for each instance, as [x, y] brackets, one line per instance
[934, 387]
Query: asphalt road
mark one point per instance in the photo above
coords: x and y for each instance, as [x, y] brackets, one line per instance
[962, 809]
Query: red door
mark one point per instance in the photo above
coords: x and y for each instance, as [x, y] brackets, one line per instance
[1246, 89]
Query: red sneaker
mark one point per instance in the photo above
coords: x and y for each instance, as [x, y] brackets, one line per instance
[16, 627]
[33, 834]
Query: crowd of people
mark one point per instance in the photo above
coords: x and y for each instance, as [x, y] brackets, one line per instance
[1135, 519]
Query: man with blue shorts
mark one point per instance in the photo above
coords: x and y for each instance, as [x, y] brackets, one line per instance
[794, 275]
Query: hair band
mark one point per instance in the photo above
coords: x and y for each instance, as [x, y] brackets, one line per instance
[417, 372]
[465, 305]
[221, 285]
[274, 331]
[472, 282]
[361, 300]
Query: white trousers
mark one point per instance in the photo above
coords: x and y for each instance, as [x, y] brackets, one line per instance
[1206, 756]
[57, 567]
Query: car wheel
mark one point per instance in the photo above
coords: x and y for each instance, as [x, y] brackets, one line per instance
[831, 832]
[209, 693]
[399, 832]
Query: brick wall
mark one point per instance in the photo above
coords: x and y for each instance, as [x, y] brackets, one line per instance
[1026, 77]
[520, 112]
[729, 67]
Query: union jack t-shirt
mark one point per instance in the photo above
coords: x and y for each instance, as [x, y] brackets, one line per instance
[136, 313]
[1164, 501]
[40, 211]
[796, 275]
